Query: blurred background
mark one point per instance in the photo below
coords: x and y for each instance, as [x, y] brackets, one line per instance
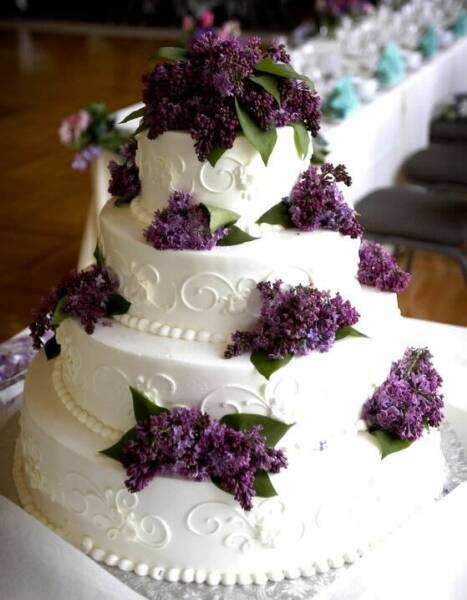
[389, 73]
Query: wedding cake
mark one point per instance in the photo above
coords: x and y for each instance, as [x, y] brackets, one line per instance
[223, 397]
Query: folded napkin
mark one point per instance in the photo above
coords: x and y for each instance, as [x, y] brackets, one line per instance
[342, 100]
[429, 42]
[390, 68]
[459, 27]
[36, 564]
[426, 559]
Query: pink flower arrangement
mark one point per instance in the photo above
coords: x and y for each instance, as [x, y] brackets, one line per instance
[73, 126]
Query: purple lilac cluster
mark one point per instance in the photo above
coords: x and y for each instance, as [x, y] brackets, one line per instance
[188, 443]
[198, 94]
[317, 203]
[87, 293]
[408, 399]
[124, 178]
[183, 225]
[294, 321]
[377, 268]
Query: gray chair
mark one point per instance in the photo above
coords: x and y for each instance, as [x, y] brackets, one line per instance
[439, 165]
[445, 131]
[416, 219]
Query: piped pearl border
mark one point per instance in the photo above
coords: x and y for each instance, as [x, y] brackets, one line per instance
[85, 418]
[175, 574]
[176, 333]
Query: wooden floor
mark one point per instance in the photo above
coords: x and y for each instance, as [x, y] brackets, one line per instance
[43, 204]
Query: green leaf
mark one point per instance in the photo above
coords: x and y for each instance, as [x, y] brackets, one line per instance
[261, 139]
[52, 348]
[98, 255]
[270, 84]
[301, 138]
[388, 443]
[277, 215]
[141, 127]
[60, 313]
[267, 366]
[117, 305]
[235, 236]
[344, 332]
[272, 429]
[263, 486]
[215, 154]
[267, 65]
[116, 451]
[123, 201]
[136, 114]
[143, 407]
[220, 217]
[170, 53]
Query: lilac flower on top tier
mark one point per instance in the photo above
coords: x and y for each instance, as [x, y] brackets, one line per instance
[377, 268]
[183, 225]
[408, 399]
[197, 93]
[294, 321]
[317, 203]
[124, 182]
[188, 443]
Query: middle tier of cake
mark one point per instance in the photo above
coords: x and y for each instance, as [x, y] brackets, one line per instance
[207, 295]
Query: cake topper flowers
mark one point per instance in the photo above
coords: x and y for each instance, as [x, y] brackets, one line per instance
[408, 400]
[294, 321]
[187, 225]
[89, 296]
[221, 86]
[236, 453]
[316, 202]
[88, 131]
[377, 268]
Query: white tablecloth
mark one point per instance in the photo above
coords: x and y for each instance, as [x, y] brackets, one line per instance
[374, 141]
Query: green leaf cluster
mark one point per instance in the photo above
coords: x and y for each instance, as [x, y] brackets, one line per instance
[222, 217]
[388, 443]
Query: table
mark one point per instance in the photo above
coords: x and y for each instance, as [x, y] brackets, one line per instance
[374, 140]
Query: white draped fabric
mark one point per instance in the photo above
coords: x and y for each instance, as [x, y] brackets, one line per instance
[374, 141]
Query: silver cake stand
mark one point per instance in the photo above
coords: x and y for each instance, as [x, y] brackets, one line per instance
[296, 589]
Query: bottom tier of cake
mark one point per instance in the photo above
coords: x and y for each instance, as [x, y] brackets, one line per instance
[330, 507]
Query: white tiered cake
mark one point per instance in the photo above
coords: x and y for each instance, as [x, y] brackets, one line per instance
[335, 498]
[332, 502]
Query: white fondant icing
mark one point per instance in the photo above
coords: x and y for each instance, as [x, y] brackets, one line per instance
[286, 536]
[239, 181]
[207, 295]
[177, 372]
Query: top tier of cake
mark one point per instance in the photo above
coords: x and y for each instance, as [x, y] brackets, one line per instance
[239, 181]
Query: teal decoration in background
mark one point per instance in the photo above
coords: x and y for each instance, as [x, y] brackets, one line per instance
[429, 42]
[390, 68]
[342, 100]
[459, 27]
